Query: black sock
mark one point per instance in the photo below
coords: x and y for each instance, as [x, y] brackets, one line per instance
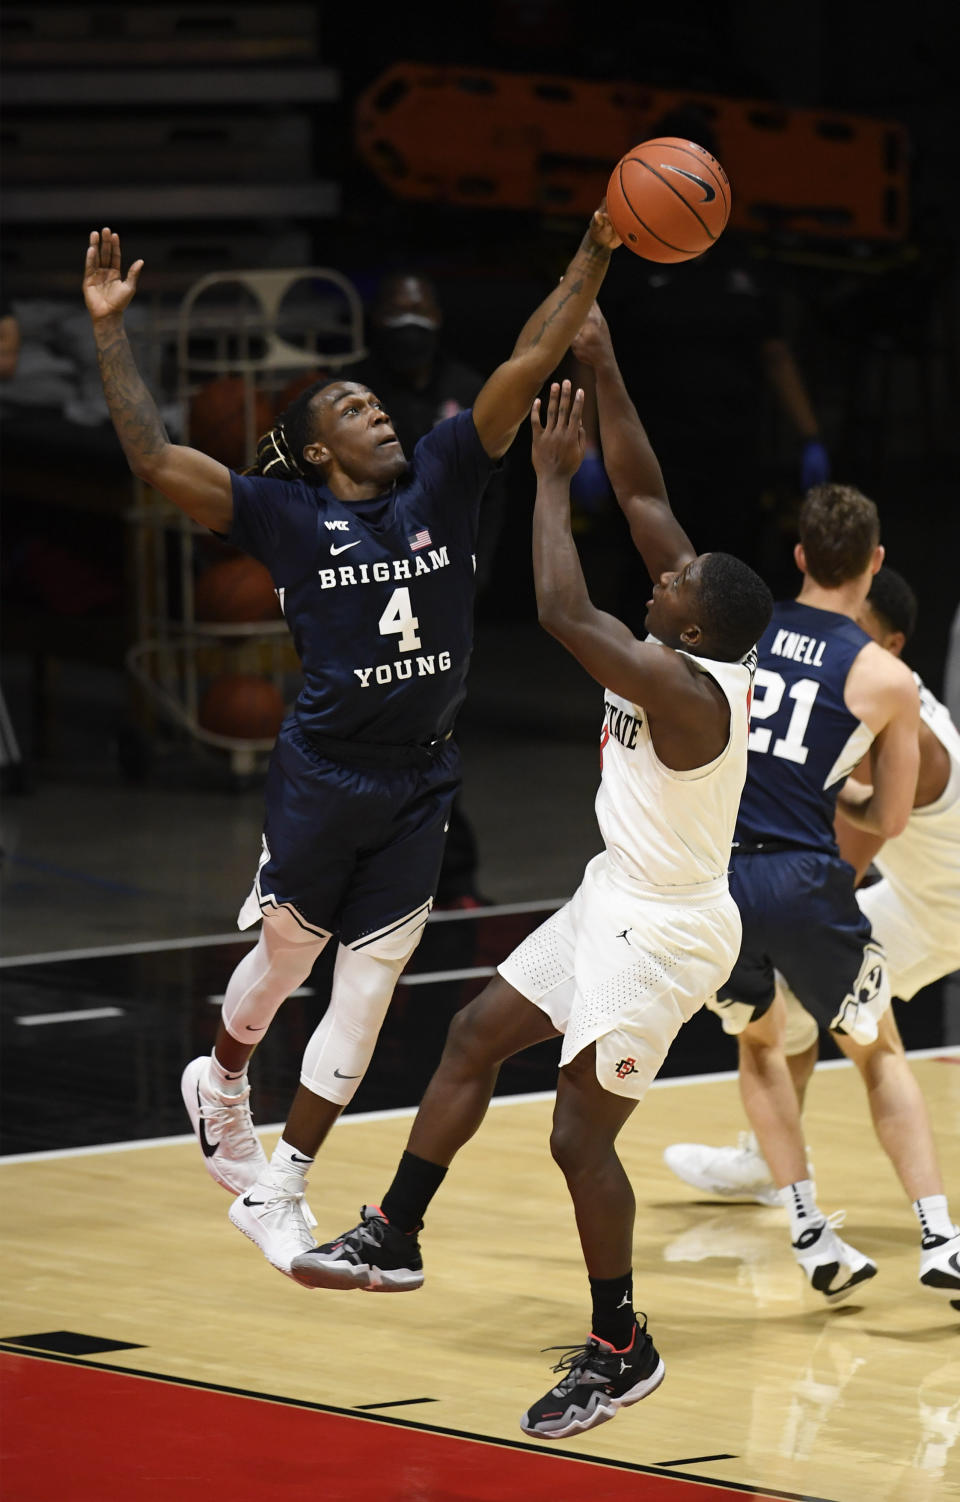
[415, 1183]
[613, 1316]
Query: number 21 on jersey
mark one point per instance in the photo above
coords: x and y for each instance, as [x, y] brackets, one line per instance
[768, 691]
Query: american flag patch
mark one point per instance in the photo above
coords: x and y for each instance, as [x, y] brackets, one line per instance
[419, 540]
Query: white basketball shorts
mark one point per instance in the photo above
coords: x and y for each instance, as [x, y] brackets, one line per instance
[919, 949]
[624, 969]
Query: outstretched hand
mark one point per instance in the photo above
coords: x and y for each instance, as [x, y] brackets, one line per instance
[592, 341]
[558, 444]
[602, 231]
[106, 291]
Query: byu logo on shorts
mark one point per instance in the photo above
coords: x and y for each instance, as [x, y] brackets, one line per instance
[870, 984]
[867, 999]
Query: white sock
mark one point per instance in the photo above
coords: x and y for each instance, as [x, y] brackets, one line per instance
[226, 1081]
[934, 1217]
[801, 1206]
[286, 1160]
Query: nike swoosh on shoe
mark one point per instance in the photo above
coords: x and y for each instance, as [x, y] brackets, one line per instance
[208, 1148]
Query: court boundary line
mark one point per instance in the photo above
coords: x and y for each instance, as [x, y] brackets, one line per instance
[10, 1348]
[243, 936]
[399, 1113]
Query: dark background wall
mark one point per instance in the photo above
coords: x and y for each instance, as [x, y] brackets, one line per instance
[873, 325]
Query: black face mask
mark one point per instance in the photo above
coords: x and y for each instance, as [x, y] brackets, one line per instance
[407, 348]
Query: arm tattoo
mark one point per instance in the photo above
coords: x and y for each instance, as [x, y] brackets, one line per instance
[571, 291]
[133, 410]
[591, 257]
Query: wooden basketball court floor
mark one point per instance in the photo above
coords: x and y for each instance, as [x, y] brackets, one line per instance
[148, 1350]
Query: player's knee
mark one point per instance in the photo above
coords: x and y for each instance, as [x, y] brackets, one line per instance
[752, 1039]
[284, 929]
[497, 1024]
[875, 1059]
[566, 1148]
[466, 1042]
[575, 1150]
[362, 982]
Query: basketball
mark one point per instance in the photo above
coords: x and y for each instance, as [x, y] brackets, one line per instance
[668, 199]
[242, 706]
[235, 590]
[218, 421]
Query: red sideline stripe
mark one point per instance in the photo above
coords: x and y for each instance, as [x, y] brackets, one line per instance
[95, 1435]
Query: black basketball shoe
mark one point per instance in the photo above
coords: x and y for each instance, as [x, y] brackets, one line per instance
[599, 1380]
[374, 1256]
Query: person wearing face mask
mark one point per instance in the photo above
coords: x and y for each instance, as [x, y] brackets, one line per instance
[419, 381]
[420, 384]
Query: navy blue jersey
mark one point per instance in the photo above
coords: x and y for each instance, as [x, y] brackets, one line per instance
[803, 739]
[378, 595]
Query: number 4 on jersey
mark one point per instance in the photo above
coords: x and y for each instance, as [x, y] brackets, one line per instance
[398, 619]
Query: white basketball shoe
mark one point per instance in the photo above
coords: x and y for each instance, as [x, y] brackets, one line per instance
[272, 1212]
[231, 1148]
[940, 1266]
[833, 1266]
[737, 1172]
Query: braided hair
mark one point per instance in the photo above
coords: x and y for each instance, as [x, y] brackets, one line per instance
[280, 451]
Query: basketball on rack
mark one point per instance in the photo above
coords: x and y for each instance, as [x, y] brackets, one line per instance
[235, 590]
[218, 422]
[668, 199]
[242, 706]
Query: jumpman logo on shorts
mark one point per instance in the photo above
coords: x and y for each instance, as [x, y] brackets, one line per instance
[623, 936]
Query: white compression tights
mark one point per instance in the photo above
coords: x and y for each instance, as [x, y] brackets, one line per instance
[338, 1054]
[280, 962]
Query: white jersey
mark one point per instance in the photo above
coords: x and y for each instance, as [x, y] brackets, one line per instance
[922, 864]
[671, 832]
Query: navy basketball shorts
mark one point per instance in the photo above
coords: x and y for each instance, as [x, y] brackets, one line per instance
[350, 848]
[800, 916]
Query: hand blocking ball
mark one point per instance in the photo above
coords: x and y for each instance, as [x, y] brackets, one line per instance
[668, 199]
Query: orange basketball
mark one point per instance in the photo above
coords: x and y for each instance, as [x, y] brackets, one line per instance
[235, 589]
[218, 421]
[243, 706]
[669, 200]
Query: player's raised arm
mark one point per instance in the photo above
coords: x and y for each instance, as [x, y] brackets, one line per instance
[648, 674]
[628, 458]
[505, 399]
[199, 485]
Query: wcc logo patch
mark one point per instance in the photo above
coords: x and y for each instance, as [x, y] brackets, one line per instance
[626, 1067]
